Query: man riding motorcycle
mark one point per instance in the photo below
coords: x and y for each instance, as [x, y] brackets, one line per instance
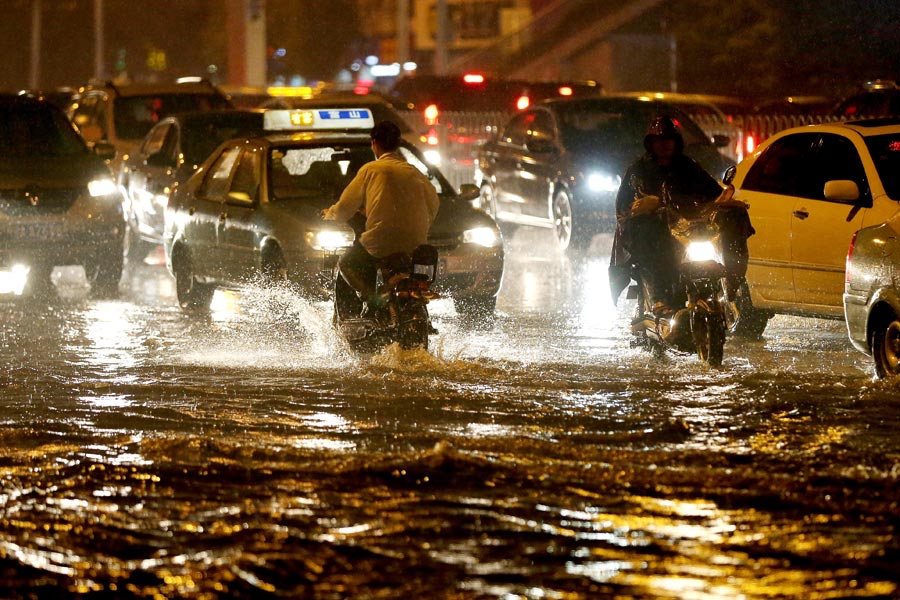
[398, 204]
[643, 246]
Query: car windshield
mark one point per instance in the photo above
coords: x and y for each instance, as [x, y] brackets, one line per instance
[885, 152]
[135, 115]
[585, 125]
[324, 171]
[37, 131]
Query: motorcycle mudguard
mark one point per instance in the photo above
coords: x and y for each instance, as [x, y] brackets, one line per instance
[707, 269]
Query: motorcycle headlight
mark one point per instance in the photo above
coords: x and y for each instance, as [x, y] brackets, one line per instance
[329, 240]
[702, 251]
[102, 187]
[483, 236]
[603, 182]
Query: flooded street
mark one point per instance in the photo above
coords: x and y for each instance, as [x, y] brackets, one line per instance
[148, 454]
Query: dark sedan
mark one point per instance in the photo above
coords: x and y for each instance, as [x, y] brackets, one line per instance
[872, 295]
[169, 154]
[560, 163]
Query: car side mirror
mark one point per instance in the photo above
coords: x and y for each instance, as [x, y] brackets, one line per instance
[468, 191]
[729, 174]
[842, 190]
[104, 150]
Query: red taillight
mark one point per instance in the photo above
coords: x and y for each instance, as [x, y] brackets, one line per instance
[432, 138]
[849, 259]
[431, 114]
[473, 78]
[749, 143]
[523, 102]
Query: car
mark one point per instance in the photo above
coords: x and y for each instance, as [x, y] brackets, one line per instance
[559, 164]
[122, 114]
[169, 154]
[872, 292]
[252, 213]
[809, 189]
[702, 108]
[460, 112]
[879, 98]
[59, 203]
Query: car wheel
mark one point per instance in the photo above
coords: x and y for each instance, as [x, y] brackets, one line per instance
[274, 267]
[191, 294]
[104, 274]
[885, 344]
[570, 234]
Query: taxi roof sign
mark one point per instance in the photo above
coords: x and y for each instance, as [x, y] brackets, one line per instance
[318, 119]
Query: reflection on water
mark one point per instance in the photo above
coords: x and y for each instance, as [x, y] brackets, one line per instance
[247, 453]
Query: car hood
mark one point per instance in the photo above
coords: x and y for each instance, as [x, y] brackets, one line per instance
[51, 171]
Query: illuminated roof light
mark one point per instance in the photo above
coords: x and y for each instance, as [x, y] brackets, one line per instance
[565, 91]
[473, 78]
[318, 119]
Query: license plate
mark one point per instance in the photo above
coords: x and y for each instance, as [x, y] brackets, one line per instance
[47, 232]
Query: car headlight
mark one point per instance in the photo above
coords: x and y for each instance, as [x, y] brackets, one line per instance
[702, 251]
[483, 236]
[102, 187]
[432, 157]
[13, 280]
[603, 182]
[329, 240]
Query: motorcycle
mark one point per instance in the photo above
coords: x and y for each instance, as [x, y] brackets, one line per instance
[404, 286]
[710, 309]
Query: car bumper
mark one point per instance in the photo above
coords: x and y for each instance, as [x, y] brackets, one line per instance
[856, 313]
[469, 271]
[59, 243]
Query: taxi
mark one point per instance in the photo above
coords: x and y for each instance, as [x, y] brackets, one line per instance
[809, 190]
[251, 212]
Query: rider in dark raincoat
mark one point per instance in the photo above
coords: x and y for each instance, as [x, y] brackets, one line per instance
[643, 246]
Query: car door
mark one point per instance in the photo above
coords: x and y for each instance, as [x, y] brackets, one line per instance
[537, 164]
[150, 177]
[821, 229]
[505, 164]
[771, 187]
[206, 215]
[238, 237]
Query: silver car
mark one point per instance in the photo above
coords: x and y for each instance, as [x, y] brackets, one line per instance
[872, 295]
[253, 211]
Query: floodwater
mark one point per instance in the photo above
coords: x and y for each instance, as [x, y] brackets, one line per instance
[149, 454]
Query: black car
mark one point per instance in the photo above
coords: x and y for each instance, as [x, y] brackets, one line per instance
[560, 163]
[169, 154]
[59, 204]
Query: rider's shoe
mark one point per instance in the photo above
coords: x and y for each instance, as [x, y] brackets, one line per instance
[661, 310]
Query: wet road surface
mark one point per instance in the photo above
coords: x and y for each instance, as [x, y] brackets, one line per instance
[148, 454]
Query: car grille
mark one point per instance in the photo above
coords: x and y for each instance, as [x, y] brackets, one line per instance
[35, 201]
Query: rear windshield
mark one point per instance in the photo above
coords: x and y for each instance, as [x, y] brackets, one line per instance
[885, 151]
[135, 115]
[37, 131]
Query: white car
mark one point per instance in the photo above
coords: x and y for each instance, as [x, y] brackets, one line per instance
[809, 190]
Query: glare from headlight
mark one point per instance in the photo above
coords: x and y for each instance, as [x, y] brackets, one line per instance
[329, 240]
[603, 182]
[432, 157]
[483, 236]
[13, 281]
[102, 187]
[702, 251]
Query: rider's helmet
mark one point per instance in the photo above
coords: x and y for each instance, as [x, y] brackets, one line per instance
[664, 126]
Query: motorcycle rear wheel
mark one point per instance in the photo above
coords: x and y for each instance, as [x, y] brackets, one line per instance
[709, 337]
[413, 332]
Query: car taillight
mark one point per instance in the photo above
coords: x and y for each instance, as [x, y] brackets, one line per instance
[565, 91]
[849, 259]
[432, 138]
[749, 143]
[431, 114]
[523, 102]
[473, 78]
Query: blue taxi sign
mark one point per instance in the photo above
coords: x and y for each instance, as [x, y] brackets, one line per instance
[318, 119]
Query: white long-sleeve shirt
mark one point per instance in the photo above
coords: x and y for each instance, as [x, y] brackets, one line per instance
[399, 203]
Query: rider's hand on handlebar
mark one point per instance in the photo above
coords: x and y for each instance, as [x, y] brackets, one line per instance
[644, 205]
[726, 199]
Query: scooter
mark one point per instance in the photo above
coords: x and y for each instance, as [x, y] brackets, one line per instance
[404, 286]
[708, 311]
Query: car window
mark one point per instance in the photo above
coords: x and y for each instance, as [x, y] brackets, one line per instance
[199, 140]
[155, 140]
[89, 114]
[415, 161]
[837, 158]
[885, 152]
[786, 167]
[516, 131]
[135, 115]
[37, 131]
[215, 185]
[541, 127]
[246, 179]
